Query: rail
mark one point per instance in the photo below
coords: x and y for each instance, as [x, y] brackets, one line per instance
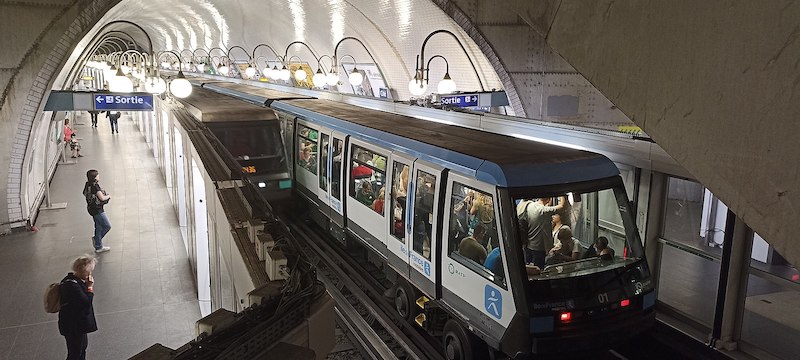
[334, 264]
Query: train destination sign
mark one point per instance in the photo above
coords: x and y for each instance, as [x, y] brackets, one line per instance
[130, 102]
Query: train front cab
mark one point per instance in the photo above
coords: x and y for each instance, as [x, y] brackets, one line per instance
[593, 302]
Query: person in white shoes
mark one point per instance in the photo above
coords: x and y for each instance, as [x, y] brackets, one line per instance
[96, 198]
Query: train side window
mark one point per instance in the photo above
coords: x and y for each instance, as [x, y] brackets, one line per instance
[423, 212]
[307, 148]
[399, 194]
[473, 239]
[323, 162]
[336, 169]
[368, 177]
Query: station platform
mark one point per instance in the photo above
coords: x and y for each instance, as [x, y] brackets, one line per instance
[144, 292]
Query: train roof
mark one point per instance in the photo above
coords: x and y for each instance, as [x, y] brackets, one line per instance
[496, 159]
[255, 94]
[212, 107]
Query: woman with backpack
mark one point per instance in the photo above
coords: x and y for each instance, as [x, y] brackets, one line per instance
[96, 198]
[76, 316]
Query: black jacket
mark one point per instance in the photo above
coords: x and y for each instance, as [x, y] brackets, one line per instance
[77, 314]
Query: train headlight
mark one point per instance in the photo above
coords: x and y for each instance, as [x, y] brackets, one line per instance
[262, 185]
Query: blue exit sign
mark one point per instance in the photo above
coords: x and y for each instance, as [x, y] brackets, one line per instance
[130, 102]
[460, 100]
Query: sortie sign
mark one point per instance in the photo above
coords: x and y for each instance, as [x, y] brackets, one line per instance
[110, 101]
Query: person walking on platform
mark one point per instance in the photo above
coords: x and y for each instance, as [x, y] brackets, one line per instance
[113, 118]
[96, 198]
[76, 316]
[94, 113]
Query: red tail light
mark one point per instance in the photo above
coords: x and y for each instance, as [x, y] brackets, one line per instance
[624, 303]
[566, 316]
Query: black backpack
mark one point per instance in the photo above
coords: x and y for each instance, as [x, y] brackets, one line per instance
[522, 218]
[91, 198]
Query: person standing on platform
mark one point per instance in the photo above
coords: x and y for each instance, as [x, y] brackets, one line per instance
[113, 118]
[96, 198]
[76, 316]
[93, 114]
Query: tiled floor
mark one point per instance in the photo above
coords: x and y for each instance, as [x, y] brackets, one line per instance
[144, 291]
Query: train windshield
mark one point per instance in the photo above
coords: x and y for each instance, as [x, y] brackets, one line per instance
[576, 242]
[257, 146]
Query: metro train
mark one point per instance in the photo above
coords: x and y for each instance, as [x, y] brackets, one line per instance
[251, 134]
[426, 197]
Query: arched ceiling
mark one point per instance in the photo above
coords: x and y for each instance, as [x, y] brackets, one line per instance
[393, 30]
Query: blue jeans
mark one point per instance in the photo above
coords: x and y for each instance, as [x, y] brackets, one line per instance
[101, 227]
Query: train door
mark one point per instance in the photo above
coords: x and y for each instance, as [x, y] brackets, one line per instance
[473, 275]
[397, 243]
[306, 157]
[366, 214]
[323, 171]
[422, 220]
[335, 176]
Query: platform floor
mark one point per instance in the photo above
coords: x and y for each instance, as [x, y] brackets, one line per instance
[144, 290]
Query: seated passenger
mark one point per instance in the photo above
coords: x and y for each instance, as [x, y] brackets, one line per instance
[577, 248]
[365, 194]
[377, 205]
[600, 249]
[565, 252]
[471, 248]
[494, 261]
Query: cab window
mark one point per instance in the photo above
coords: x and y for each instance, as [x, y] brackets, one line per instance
[367, 178]
[307, 148]
[473, 239]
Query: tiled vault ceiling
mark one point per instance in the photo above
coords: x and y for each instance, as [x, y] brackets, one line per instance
[393, 30]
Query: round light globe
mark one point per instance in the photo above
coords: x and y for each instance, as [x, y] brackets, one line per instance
[300, 75]
[446, 86]
[223, 70]
[355, 78]
[250, 71]
[180, 88]
[318, 79]
[332, 79]
[417, 87]
[285, 74]
[125, 69]
[201, 67]
[161, 86]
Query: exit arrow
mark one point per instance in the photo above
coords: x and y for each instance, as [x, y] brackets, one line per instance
[99, 99]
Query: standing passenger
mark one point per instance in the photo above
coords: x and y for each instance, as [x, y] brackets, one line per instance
[96, 198]
[76, 316]
[94, 113]
[539, 232]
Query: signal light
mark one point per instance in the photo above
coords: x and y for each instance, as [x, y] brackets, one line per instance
[566, 316]
[624, 303]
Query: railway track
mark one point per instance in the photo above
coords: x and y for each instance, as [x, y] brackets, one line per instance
[361, 308]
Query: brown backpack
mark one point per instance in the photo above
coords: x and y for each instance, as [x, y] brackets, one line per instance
[52, 297]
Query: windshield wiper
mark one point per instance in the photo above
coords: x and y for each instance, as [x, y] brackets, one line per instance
[619, 272]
